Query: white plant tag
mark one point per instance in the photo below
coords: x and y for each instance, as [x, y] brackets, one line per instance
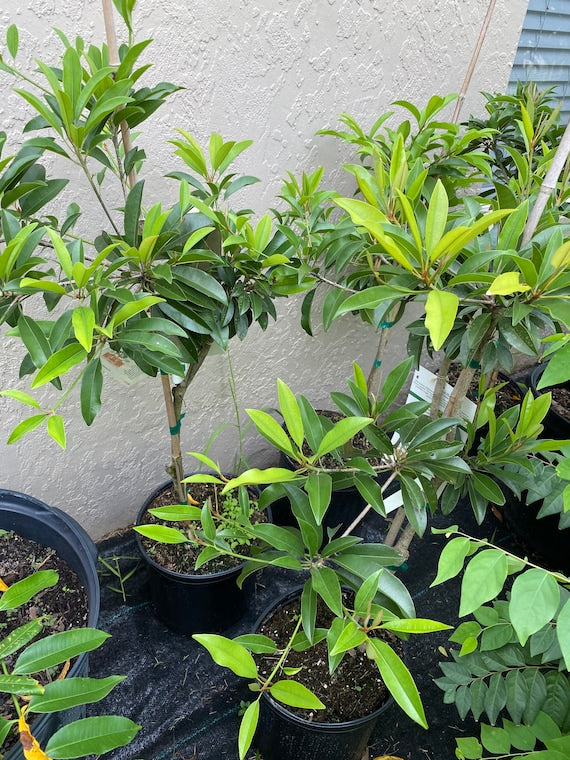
[422, 388]
[122, 368]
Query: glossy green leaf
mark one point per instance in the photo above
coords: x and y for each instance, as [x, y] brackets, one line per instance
[295, 695]
[130, 309]
[95, 735]
[56, 429]
[18, 638]
[256, 477]
[23, 398]
[162, 533]
[90, 393]
[23, 685]
[327, 585]
[247, 728]
[415, 625]
[22, 591]
[59, 363]
[83, 321]
[70, 692]
[563, 632]
[436, 219]
[228, 654]
[341, 432]
[271, 430]
[202, 282]
[319, 489]
[26, 426]
[57, 648]
[398, 679]
[291, 413]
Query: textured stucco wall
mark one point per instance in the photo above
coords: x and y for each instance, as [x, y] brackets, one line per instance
[275, 71]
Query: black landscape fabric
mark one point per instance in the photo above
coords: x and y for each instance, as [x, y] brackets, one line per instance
[188, 706]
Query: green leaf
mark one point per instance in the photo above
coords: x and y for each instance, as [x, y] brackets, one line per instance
[19, 637]
[495, 740]
[23, 685]
[507, 284]
[57, 648]
[12, 40]
[451, 559]
[436, 219]
[535, 597]
[295, 695]
[95, 735]
[319, 490]
[59, 363]
[247, 728]
[257, 643]
[228, 654]
[291, 413]
[27, 425]
[563, 632]
[130, 309]
[34, 340]
[202, 282]
[415, 625]
[483, 580]
[162, 533]
[83, 321]
[469, 748]
[398, 679]
[91, 387]
[341, 432]
[70, 692]
[272, 431]
[350, 637]
[56, 429]
[327, 585]
[256, 477]
[441, 310]
[22, 591]
[23, 398]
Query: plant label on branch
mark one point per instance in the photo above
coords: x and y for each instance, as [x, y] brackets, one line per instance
[121, 368]
[422, 389]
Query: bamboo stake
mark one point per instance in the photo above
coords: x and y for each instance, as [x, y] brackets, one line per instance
[548, 185]
[473, 63]
[111, 35]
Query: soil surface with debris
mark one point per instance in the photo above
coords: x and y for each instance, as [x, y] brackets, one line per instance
[60, 607]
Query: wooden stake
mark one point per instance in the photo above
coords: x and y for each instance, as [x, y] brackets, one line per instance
[473, 63]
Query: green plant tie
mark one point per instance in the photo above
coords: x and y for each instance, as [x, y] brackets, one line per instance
[377, 363]
[474, 364]
[386, 325]
[176, 429]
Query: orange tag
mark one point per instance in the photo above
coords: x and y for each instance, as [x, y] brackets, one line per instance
[3, 586]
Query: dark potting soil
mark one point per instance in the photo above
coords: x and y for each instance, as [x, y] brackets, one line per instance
[189, 707]
[354, 690]
[62, 606]
[561, 401]
[507, 396]
[181, 558]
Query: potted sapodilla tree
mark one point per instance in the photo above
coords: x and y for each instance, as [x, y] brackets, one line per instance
[159, 286]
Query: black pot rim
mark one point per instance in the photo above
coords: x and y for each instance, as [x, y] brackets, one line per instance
[309, 725]
[191, 577]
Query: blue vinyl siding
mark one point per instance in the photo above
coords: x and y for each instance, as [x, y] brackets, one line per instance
[543, 54]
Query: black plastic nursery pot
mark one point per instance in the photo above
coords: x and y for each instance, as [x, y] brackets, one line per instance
[556, 425]
[185, 603]
[49, 526]
[283, 735]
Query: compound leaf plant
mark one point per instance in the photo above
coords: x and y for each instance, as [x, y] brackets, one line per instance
[158, 285]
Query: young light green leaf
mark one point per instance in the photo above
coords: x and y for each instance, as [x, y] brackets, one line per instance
[291, 413]
[535, 597]
[506, 284]
[563, 632]
[228, 654]
[271, 430]
[451, 559]
[56, 429]
[341, 432]
[247, 728]
[162, 533]
[59, 363]
[23, 398]
[295, 695]
[22, 591]
[441, 310]
[26, 426]
[83, 321]
[436, 218]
